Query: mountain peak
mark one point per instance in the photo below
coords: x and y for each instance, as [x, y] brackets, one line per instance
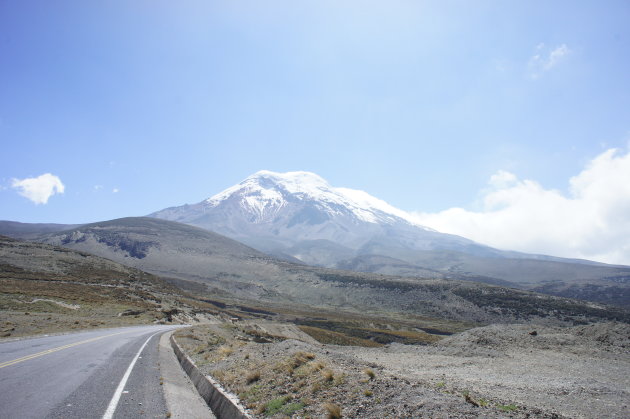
[292, 182]
[296, 176]
[265, 193]
[274, 211]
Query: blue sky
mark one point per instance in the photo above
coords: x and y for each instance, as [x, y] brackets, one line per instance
[137, 106]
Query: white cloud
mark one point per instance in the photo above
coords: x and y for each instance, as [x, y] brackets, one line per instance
[544, 59]
[592, 221]
[39, 189]
[115, 190]
[98, 187]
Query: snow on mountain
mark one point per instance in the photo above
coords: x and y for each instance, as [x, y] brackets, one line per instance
[298, 214]
[265, 194]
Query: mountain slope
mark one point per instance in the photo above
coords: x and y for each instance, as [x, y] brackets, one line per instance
[237, 272]
[30, 230]
[46, 288]
[298, 215]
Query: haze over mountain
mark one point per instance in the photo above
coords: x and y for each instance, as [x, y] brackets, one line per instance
[298, 215]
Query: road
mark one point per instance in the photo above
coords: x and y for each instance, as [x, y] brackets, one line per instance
[92, 374]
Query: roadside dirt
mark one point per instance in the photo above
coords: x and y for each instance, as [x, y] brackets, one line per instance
[493, 371]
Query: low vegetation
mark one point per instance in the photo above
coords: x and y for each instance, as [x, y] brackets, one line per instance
[284, 377]
[507, 407]
[291, 377]
[279, 384]
[333, 410]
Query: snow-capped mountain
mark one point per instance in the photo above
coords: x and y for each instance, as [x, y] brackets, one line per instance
[266, 193]
[300, 217]
[298, 214]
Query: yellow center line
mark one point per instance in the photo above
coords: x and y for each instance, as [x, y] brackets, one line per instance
[48, 351]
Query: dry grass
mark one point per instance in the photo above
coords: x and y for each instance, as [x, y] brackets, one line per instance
[225, 351]
[333, 411]
[252, 377]
[328, 375]
[280, 380]
[296, 361]
[301, 358]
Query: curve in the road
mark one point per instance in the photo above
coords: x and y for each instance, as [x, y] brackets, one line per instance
[49, 351]
[75, 375]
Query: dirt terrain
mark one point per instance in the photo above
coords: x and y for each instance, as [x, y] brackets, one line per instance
[49, 289]
[574, 371]
[494, 371]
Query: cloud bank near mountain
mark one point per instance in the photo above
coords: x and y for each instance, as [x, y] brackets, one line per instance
[591, 221]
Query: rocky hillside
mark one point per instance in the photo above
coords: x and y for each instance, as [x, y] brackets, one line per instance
[231, 270]
[46, 288]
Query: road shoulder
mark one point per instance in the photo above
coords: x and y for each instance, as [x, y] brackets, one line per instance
[182, 398]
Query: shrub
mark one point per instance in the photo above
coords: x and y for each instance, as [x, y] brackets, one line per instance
[333, 410]
[339, 379]
[369, 373]
[225, 350]
[252, 377]
[301, 358]
[328, 375]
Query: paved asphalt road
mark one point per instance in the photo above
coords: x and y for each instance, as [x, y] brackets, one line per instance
[78, 375]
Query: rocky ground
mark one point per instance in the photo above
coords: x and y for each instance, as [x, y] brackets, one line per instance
[575, 371]
[47, 289]
[494, 371]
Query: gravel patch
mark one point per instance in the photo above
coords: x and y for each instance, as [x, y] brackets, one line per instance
[579, 372]
[495, 371]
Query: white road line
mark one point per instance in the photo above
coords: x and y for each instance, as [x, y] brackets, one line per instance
[109, 413]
